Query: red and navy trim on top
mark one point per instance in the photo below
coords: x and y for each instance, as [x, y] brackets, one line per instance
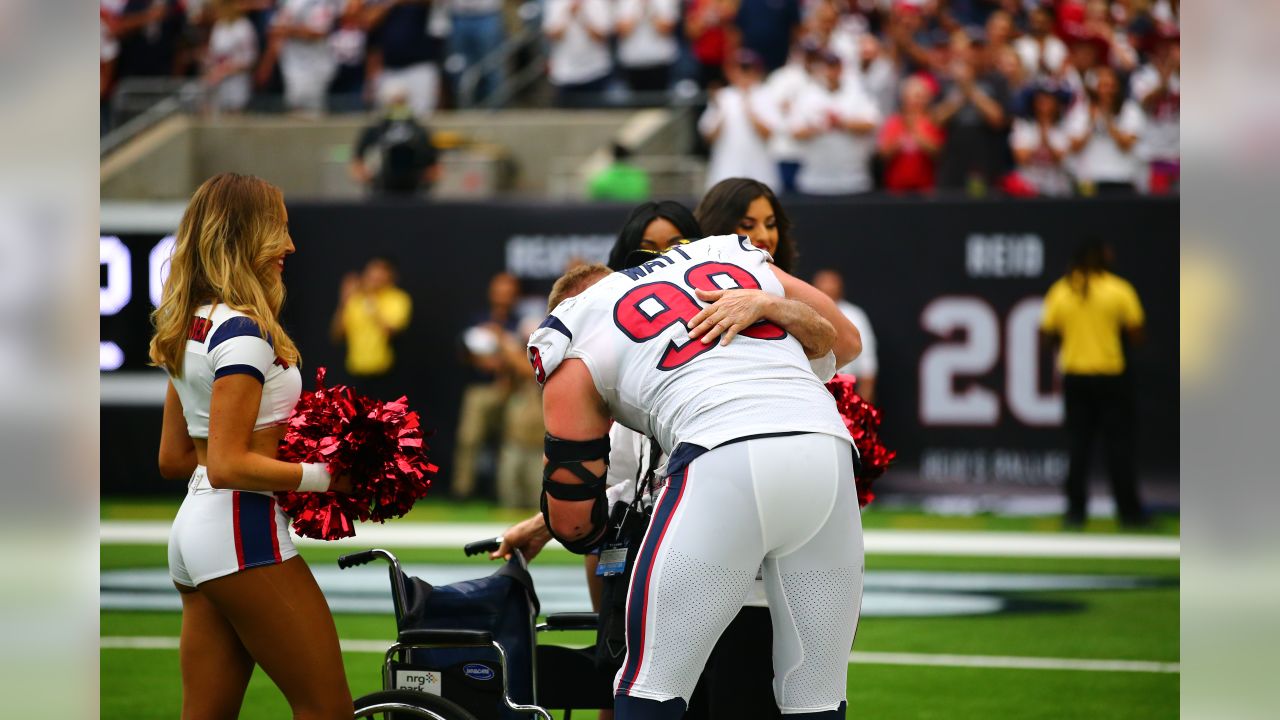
[254, 518]
[239, 326]
[554, 323]
[240, 369]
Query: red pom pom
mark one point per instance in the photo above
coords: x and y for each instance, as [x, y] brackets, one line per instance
[380, 444]
[863, 421]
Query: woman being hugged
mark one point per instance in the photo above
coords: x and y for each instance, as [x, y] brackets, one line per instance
[247, 597]
[742, 206]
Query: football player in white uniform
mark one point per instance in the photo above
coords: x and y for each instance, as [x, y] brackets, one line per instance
[247, 597]
[760, 469]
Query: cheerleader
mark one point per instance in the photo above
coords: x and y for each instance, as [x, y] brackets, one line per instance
[247, 597]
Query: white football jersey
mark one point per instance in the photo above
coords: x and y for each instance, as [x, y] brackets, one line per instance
[224, 342]
[631, 330]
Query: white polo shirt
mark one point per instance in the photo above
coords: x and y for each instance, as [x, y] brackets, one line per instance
[1101, 160]
[645, 46]
[577, 57]
[739, 150]
[835, 161]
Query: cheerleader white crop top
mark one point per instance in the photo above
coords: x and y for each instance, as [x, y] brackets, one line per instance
[225, 342]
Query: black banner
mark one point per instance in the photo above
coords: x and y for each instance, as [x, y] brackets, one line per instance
[952, 290]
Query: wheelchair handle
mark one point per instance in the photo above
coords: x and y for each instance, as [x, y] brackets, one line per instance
[398, 590]
[482, 546]
[361, 558]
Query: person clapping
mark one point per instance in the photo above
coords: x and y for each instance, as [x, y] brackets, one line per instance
[738, 124]
[835, 122]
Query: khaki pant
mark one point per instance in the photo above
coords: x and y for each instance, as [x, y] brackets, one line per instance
[520, 461]
[479, 422]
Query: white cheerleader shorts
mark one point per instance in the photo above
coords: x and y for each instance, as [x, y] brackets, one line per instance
[219, 532]
[786, 500]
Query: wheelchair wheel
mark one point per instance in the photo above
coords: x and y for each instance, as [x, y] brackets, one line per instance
[409, 705]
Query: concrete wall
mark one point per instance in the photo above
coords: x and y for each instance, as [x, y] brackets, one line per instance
[158, 165]
[509, 152]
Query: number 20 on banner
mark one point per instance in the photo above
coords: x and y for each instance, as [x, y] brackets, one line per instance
[947, 400]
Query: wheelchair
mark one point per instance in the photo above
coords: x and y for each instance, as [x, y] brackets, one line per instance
[469, 651]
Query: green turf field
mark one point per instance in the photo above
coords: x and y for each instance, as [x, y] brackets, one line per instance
[1117, 624]
[437, 510]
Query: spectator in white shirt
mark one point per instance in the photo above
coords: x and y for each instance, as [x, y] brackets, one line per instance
[1103, 131]
[825, 25]
[1082, 58]
[865, 366]
[1155, 87]
[877, 74]
[1042, 52]
[1040, 144]
[578, 31]
[646, 42]
[404, 49]
[299, 38]
[232, 51]
[738, 123]
[835, 121]
[786, 84]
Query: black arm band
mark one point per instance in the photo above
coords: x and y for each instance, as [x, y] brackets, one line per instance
[558, 449]
[570, 455]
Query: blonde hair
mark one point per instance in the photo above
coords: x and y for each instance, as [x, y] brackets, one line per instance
[231, 236]
[574, 281]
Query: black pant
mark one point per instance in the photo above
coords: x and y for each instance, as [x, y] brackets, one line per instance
[587, 94]
[653, 79]
[1102, 403]
[738, 679]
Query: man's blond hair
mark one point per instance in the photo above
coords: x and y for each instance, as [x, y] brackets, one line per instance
[574, 281]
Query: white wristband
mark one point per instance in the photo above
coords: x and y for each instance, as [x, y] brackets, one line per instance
[315, 478]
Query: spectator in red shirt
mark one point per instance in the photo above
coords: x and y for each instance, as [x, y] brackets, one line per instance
[909, 141]
[707, 27]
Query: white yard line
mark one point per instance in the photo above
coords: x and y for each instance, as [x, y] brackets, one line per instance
[152, 642]
[878, 542]
[1012, 663]
[117, 642]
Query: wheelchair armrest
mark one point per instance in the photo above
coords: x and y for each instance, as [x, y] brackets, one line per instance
[573, 621]
[445, 637]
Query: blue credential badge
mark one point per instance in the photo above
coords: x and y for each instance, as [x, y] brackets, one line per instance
[613, 560]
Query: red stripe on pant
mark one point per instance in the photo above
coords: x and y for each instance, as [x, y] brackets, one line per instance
[275, 531]
[235, 525]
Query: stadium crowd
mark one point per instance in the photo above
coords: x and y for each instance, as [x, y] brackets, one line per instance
[824, 97]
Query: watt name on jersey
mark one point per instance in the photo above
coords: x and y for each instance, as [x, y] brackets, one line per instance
[631, 329]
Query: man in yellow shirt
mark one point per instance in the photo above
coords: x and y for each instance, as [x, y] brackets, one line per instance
[1090, 311]
[371, 311]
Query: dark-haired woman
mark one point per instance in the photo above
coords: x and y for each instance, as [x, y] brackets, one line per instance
[1088, 311]
[742, 206]
[653, 226]
[1103, 131]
